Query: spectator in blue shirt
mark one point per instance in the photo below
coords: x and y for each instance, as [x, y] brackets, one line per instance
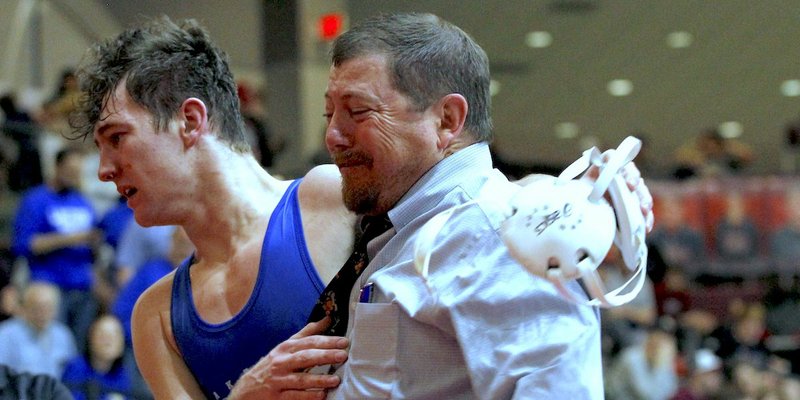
[100, 373]
[54, 230]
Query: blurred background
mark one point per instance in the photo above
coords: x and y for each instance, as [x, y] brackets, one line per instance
[711, 87]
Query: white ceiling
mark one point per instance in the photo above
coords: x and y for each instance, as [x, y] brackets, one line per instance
[741, 53]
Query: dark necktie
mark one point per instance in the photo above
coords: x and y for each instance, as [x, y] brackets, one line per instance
[334, 300]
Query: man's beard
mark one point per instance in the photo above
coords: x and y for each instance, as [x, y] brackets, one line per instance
[360, 199]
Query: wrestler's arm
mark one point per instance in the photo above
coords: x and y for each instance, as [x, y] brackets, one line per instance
[156, 354]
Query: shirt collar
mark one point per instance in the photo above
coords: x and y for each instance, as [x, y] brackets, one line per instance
[429, 191]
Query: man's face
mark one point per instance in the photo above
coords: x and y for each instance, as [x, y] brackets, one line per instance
[68, 172]
[40, 307]
[380, 143]
[144, 164]
[106, 338]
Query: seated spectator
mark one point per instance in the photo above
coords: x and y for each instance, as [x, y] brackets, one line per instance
[736, 234]
[26, 386]
[9, 298]
[673, 297]
[35, 341]
[264, 143]
[139, 245]
[680, 245]
[100, 373]
[625, 325]
[645, 370]
[785, 242]
[737, 243]
[743, 338]
[54, 230]
[789, 388]
[705, 378]
[112, 224]
[25, 170]
[747, 382]
[712, 155]
[56, 110]
[148, 274]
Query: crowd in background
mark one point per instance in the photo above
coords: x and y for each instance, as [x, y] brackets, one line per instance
[716, 319]
[73, 260]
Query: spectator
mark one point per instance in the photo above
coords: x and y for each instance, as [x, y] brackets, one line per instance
[35, 341]
[646, 370]
[115, 221]
[26, 386]
[712, 155]
[736, 234]
[705, 378]
[627, 324]
[747, 382]
[262, 139]
[9, 298]
[680, 245]
[789, 388]
[100, 372]
[743, 339]
[56, 110]
[54, 231]
[139, 245]
[112, 224]
[785, 242]
[26, 169]
[149, 273]
[737, 243]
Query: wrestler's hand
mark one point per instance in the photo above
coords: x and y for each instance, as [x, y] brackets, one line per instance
[281, 373]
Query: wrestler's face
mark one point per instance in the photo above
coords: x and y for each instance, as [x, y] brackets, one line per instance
[146, 165]
[380, 142]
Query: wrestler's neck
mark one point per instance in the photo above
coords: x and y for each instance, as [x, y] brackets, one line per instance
[236, 196]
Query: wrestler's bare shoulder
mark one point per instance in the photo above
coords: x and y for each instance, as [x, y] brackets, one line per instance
[157, 296]
[323, 180]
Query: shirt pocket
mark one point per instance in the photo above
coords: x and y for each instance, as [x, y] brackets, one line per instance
[372, 363]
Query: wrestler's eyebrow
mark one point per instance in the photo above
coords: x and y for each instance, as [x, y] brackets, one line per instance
[103, 129]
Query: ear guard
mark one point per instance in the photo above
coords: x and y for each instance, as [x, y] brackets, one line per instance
[562, 228]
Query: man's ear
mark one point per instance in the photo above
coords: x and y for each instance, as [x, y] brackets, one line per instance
[452, 112]
[192, 121]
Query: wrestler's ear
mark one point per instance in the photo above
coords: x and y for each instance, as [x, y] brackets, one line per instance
[451, 111]
[192, 121]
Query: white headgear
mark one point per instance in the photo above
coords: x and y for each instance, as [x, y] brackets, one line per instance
[561, 228]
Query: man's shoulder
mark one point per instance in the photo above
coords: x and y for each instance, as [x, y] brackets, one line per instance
[11, 326]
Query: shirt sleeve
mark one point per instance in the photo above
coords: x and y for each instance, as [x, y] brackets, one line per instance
[28, 221]
[520, 339]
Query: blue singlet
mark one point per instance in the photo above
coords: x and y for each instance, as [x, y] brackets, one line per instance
[286, 290]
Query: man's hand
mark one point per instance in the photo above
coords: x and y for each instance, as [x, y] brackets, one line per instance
[636, 184]
[280, 374]
[633, 178]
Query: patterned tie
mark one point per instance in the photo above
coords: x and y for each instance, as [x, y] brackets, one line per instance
[334, 300]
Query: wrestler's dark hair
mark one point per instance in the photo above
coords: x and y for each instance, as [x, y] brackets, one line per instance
[428, 58]
[161, 64]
